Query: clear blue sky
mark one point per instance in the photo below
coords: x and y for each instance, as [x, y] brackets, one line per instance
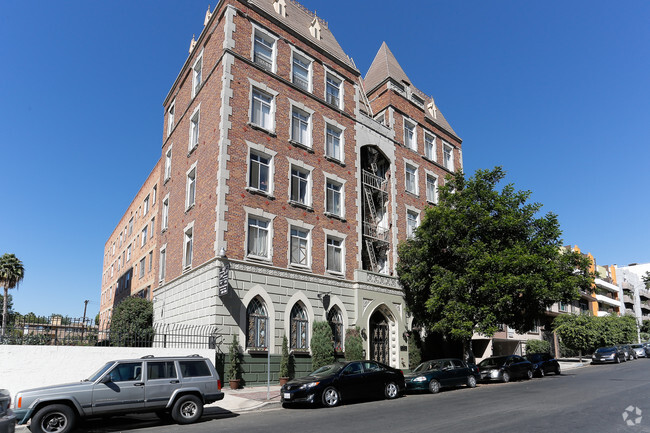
[556, 92]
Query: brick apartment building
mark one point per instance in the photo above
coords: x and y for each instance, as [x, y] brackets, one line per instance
[291, 177]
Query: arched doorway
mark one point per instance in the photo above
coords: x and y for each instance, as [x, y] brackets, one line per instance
[379, 338]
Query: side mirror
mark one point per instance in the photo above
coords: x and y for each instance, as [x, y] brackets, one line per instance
[106, 379]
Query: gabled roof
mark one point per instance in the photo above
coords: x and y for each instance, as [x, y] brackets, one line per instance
[299, 19]
[385, 66]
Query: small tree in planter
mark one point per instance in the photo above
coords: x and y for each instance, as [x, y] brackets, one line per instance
[322, 348]
[285, 374]
[415, 354]
[234, 368]
[353, 344]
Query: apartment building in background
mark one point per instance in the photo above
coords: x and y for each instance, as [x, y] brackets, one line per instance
[286, 182]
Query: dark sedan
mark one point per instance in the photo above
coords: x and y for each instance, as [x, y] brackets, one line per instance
[439, 373]
[505, 368]
[344, 381]
[608, 354]
[543, 364]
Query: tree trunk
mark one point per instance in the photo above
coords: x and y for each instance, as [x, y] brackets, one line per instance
[4, 311]
[468, 353]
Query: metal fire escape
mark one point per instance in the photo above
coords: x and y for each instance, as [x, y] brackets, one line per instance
[375, 232]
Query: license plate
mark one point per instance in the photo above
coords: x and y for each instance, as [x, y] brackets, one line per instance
[287, 396]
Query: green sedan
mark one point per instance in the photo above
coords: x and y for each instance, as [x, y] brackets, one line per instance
[440, 373]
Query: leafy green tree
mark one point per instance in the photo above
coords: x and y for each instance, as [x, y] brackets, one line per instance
[415, 354]
[577, 332]
[284, 360]
[322, 348]
[538, 346]
[645, 326]
[353, 344]
[646, 280]
[12, 272]
[132, 323]
[483, 257]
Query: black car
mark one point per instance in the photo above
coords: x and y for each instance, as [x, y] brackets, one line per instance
[543, 364]
[344, 381]
[608, 354]
[505, 368]
[440, 373]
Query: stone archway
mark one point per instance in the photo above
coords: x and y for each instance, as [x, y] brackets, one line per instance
[379, 338]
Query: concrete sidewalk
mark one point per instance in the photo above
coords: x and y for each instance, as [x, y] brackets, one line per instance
[249, 398]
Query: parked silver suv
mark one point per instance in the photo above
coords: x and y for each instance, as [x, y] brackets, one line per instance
[169, 386]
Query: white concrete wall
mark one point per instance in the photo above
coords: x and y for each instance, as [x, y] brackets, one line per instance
[25, 367]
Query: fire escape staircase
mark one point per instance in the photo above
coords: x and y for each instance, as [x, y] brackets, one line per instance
[373, 234]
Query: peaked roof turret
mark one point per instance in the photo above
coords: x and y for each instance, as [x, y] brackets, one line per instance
[384, 66]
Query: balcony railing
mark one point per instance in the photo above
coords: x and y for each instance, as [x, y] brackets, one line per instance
[374, 181]
[300, 82]
[264, 62]
[379, 233]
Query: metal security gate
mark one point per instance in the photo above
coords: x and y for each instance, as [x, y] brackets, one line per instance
[379, 338]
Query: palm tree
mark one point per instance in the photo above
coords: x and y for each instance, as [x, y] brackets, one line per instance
[12, 273]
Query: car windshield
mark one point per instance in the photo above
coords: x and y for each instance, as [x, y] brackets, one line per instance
[605, 349]
[429, 365]
[493, 362]
[637, 346]
[100, 372]
[327, 370]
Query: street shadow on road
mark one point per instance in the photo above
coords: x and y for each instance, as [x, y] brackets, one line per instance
[138, 421]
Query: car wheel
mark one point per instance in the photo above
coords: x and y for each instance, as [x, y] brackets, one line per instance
[187, 409]
[505, 378]
[434, 386]
[558, 370]
[471, 381]
[391, 390]
[56, 418]
[331, 397]
[529, 374]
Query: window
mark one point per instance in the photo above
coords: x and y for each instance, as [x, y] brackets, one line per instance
[411, 223]
[150, 260]
[333, 90]
[334, 255]
[300, 75]
[170, 118]
[263, 47]
[145, 206]
[154, 193]
[127, 372]
[333, 204]
[258, 237]
[259, 172]
[145, 230]
[194, 131]
[142, 267]
[190, 195]
[196, 74]
[299, 327]
[163, 257]
[333, 142]
[409, 135]
[448, 156]
[161, 370]
[168, 164]
[165, 213]
[335, 320]
[432, 189]
[128, 253]
[430, 146]
[299, 186]
[256, 325]
[299, 247]
[188, 247]
[194, 369]
[153, 226]
[411, 179]
[131, 226]
[262, 106]
[300, 127]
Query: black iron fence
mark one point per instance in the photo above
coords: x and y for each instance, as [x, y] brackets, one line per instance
[65, 331]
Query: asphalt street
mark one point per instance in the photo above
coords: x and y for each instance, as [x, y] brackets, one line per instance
[590, 399]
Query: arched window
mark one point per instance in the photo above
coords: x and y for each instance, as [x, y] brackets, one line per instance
[335, 320]
[299, 327]
[257, 324]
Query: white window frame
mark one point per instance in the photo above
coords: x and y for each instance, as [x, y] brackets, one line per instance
[259, 214]
[329, 123]
[195, 130]
[260, 150]
[335, 235]
[164, 224]
[197, 75]
[302, 57]
[300, 166]
[416, 177]
[145, 206]
[410, 126]
[430, 151]
[168, 163]
[131, 226]
[170, 117]
[448, 163]
[433, 197]
[144, 235]
[256, 86]
[341, 80]
[162, 263]
[412, 211]
[188, 238]
[266, 36]
[128, 252]
[142, 262]
[190, 186]
[334, 179]
[300, 225]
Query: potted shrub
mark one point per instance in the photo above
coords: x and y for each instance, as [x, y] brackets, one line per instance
[234, 368]
[322, 349]
[284, 362]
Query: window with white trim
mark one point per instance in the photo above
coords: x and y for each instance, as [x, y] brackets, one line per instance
[190, 193]
[410, 138]
[301, 71]
[334, 255]
[258, 237]
[335, 319]
[131, 226]
[411, 178]
[142, 263]
[263, 50]
[154, 194]
[163, 263]
[448, 156]
[165, 214]
[168, 163]
[333, 90]
[411, 223]
[429, 146]
[300, 185]
[145, 206]
[300, 127]
[432, 189]
[299, 246]
[333, 142]
[194, 130]
[188, 246]
[128, 253]
[197, 71]
[170, 117]
[334, 197]
[259, 171]
[262, 109]
[299, 327]
[257, 321]
[145, 231]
